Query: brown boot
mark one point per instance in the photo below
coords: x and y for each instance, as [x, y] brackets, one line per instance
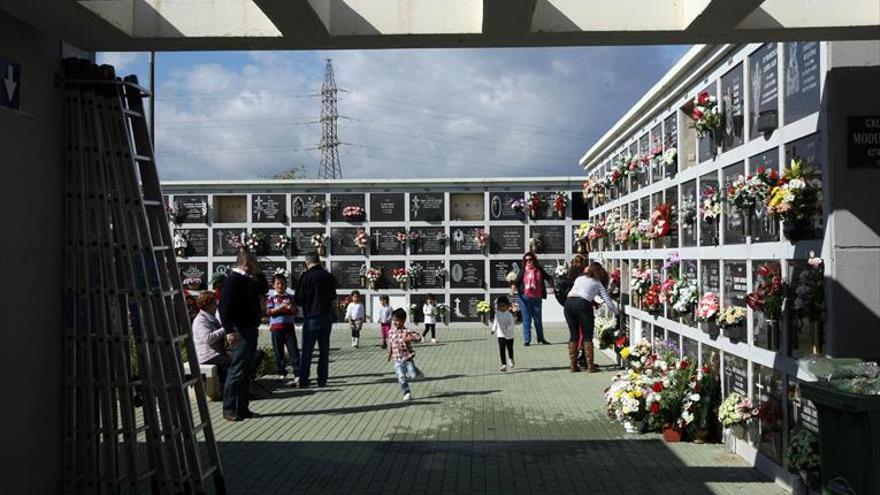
[588, 356]
[573, 356]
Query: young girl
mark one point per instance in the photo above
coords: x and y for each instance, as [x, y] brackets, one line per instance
[400, 351]
[503, 328]
[354, 315]
[429, 310]
[579, 312]
[384, 319]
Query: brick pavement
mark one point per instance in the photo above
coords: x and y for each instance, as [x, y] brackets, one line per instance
[470, 429]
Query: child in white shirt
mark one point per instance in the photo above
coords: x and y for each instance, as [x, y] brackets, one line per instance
[503, 326]
[355, 315]
[429, 311]
[384, 319]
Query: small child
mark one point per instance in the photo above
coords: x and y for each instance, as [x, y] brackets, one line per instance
[429, 310]
[503, 328]
[385, 311]
[400, 351]
[355, 315]
[281, 310]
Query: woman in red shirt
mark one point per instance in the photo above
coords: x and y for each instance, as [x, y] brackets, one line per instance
[531, 287]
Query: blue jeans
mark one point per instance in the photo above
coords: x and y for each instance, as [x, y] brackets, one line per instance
[531, 310]
[235, 392]
[281, 339]
[316, 329]
[406, 369]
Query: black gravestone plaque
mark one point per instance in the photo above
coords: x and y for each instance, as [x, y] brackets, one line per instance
[383, 241]
[656, 143]
[579, 208]
[764, 90]
[270, 268]
[501, 205]
[222, 268]
[467, 274]
[268, 208]
[550, 237]
[416, 302]
[734, 219]
[302, 207]
[301, 241]
[463, 240]
[863, 142]
[689, 270]
[226, 241]
[386, 281]
[736, 374]
[342, 201]
[708, 227]
[270, 236]
[549, 211]
[711, 276]
[672, 201]
[193, 275]
[429, 242]
[498, 270]
[507, 239]
[426, 207]
[463, 307]
[347, 274]
[191, 209]
[706, 145]
[297, 268]
[197, 241]
[428, 278]
[342, 241]
[801, 79]
[764, 228]
[732, 108]
[387, 207]
[644, 174]
[670, 140]
[735, 283]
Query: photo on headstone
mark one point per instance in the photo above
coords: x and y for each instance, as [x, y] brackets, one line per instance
[467, 274]
[268, 208]
[507, 205]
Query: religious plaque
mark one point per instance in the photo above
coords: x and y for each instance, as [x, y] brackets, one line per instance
[801, 79]
[688, 212]
[467, 274]
[863, 142]
[339, 203]
[342, 241]
[416, 302]
[499, 269]
[463, 307]
[708, 226]
[426, 207]
[270, 241]
[763, 227]
[307, 207]
[387, 207]
[297, 268]
[384, 241]
[301, 241]
[507, 205]
[270, 268]
[670, 140]
[386, 281]
[735, 220]
[706, 148]
[348, 274]
[227, 242]
[549, 239]
[193, 275]
[463, 240]
[764, 90]
[190, 209]
[222, 268]
[735, 283]
[268, 208]
[736, 374]
[732, 110]
[425, 274]
[429, 240]
[507, 239]
[196, 241]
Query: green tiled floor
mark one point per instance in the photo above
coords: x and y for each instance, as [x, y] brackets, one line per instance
[470, 429]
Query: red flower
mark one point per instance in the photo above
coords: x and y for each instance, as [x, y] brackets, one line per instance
[657, 387]
[697, 113]
[761, 170]
[697, 388]
[683, 365]
[763, 270]
[703, 98]
[655, 408]
[773, 174]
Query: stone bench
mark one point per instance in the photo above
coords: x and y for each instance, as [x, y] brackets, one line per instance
[211, 374]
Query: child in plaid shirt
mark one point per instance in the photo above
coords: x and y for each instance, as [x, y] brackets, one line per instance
[400, 351]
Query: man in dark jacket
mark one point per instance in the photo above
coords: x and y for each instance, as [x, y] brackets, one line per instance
[315, 294]
[240, 313]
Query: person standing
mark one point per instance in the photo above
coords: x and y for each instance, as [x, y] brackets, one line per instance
[531, 289]
[429, 311]
[503, 328]
[315, 294]
[385, 311]
[579, 313]
[240, 313]
[281, 311]
[355, 314]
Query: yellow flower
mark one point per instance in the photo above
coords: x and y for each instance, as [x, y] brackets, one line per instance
[624, 353]
[637, 393]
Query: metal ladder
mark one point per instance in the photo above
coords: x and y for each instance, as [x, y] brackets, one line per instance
[125, 317]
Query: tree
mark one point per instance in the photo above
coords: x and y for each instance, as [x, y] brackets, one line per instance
[293, 173]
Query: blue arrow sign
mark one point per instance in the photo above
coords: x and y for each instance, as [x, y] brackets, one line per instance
[10, 84]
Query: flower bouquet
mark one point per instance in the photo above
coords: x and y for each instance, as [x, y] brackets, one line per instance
[400, 275]
[809, 299]
[730, 317]
[671, 263]
[651, 301]
[708, 307]
[180, 245]
[362, 240]
[318, 241]
[795, 199]
[441, 237]
[661, 221]
[669, 156]
[684, 297]
[192, 282]
[354, 213]
[483, 309]
[443, 313]
[625, 399]
[706, 114]
[482, 239]
[769, 294]
[415, 275]
[518, 205]
[667, 288]
[688, 211]
[255, 242]
[710, 205]
[606, 331]
[441, 273]
[414, 237]
[735, 412]
[560, 203]
[697, 404]
[802, 456]
[536, 205]
[402, 237]
[281, 242]
[318, 208]
[641, 280]
[373, 276]
[637, 355]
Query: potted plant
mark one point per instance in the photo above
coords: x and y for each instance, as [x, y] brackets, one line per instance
[483, 309]
[732, 320]
[319, 240]
[560, 203]
[745, 193]
[796, 199]
[362, 241]
[707, 308]
[802, 457]
[181, 245]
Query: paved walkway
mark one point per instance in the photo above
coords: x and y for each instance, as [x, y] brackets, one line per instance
[470, 429]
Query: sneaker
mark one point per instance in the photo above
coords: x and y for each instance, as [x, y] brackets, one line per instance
[503, 368]
[296, 382]
[433, 341]
[353, 343]
[407, 396]
[510, 364]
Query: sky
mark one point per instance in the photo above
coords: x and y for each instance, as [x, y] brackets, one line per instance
[432, 113]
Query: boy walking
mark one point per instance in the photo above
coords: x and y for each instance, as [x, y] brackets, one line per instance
[281, 310]
[400, 351]
[355, 315]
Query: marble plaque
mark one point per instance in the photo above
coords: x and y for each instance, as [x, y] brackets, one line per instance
[268, 208]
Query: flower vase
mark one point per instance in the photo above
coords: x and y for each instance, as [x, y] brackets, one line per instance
[363, 251]
[671, 434]
[796, 230]
[403, 285]
[633, 426]
[815, 336]
[533, 214]
[322, 251]
[560, 214]
[363, 281]
[747, 222]
[738, 430]
[773, 335]
[374, 284]
[484, 318]
[735, 333]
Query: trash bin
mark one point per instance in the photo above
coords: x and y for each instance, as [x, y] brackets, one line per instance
[849, 439]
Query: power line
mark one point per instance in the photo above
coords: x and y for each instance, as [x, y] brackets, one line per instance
[210, 124]
[432, 166]
[242, 92]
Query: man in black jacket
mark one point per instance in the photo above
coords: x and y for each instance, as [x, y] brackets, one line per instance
[240, 313]
[315, 294]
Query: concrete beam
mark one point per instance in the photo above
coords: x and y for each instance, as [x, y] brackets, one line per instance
[786, 14]
[399, 17]
[702, 16]
[507, 17]
[565, 16]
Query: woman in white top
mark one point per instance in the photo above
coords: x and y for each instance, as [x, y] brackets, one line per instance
[579, 312]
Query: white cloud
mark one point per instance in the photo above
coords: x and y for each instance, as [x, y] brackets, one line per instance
[123, 61]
